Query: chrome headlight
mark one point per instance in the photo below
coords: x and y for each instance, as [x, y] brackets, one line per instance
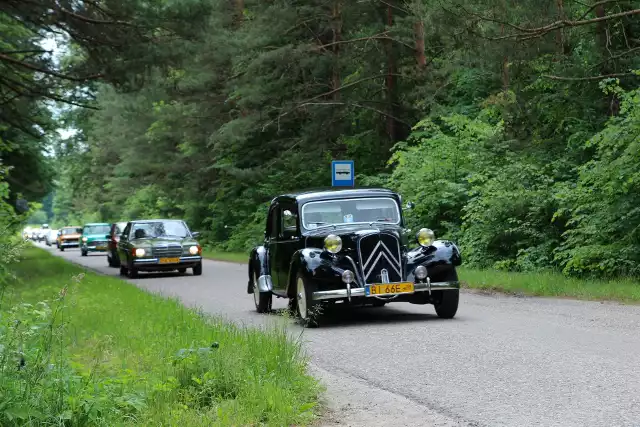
[193, 250]
[140, 252]
[84, 239]
[333, 243]
[420, 272]
[425, 237]
[348, 276]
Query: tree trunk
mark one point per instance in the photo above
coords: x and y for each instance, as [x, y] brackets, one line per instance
[561, 41]
[419, 34]
[390, 81]
[336, 17]
[505, 67]
[602, 40]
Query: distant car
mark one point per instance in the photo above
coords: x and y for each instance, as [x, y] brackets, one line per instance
[42, 234]
[51, 237]
[69, 237]
[93, 238]
[349, 246]
[115, 231]
[158, 245]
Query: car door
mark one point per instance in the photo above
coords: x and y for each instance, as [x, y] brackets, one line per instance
[123, 245]
[271, 243]
[288, 242]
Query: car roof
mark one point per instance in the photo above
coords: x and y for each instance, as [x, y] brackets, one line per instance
[332, 193]
[96, 223]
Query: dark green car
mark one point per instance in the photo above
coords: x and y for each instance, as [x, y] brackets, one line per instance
[93, 238]
[158, 245]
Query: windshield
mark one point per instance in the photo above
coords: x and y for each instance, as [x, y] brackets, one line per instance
[142, 230]
[71, 230]
[96, 229]
[337, 212]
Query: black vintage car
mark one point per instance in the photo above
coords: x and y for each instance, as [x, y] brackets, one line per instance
[349, 245]
[158, 245]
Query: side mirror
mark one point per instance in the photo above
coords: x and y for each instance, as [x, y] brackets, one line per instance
[195, 234]
[409, 206]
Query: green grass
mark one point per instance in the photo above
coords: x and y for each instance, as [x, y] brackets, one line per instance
[238, 257]
[103, 352]
[549, 283]
[552, 284]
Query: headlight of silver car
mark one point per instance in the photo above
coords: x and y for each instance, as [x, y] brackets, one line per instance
[193, 250]
[425, 237]
[140, 252]
[333, 243]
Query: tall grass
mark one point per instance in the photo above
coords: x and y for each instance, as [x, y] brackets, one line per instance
[82, 349]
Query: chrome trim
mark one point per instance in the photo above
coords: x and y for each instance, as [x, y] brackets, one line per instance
[355, 270]
[156, 260]
[264, 283]
[359, 292]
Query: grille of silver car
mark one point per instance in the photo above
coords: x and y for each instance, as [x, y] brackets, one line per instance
[171, 250]
[99, 243]
[380, 258]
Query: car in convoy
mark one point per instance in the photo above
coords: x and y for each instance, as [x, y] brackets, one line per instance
[93, 238]
[115, 230]
[51, 236]
[351, 246]
[69, 237]
[158, 245]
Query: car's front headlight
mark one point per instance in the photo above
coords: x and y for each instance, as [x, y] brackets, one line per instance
[425, 237]
[333, 243]
[193, 250]
[84, 239]
[140, 252]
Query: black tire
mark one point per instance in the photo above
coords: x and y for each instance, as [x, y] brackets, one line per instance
[262, 300]
[307, 309]
[61, 249]
[110, 261]
[132, 273]
[182, 270]
[197, 270]
[123, 270]
[446, 304]
[83, 252]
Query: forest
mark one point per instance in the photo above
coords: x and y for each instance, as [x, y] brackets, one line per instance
[514, 126]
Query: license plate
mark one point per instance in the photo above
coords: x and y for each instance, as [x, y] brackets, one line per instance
[169, 260]
[389, 289]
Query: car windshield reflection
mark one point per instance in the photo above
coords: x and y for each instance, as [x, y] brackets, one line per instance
[328, 213]
[150, 230]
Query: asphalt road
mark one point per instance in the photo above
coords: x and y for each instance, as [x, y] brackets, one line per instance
[503, 361]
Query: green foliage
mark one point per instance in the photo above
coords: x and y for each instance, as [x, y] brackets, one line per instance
[99, 351]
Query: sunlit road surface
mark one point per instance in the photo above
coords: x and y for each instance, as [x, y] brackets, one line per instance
[503, 361]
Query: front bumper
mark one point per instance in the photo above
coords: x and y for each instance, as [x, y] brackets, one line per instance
[91, 247]
[69, 243]
[155, 264]
[349, 292]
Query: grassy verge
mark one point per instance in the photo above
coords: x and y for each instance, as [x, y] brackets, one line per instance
[238, 257]
[77, 348]
[551, 284]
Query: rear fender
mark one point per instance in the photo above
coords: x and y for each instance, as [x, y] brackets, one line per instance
[259, 264]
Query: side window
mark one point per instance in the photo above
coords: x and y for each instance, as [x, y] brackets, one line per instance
[289, 222]
[126, 231]
[273, 223]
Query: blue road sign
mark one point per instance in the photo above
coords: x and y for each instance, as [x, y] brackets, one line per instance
[342, 173]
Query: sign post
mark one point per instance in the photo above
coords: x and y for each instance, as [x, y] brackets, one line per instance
[342, 173]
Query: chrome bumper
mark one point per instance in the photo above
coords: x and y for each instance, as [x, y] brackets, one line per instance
[350, 292]
[156, 261]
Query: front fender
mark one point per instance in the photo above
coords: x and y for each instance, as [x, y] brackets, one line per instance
[259, 267]
[317, 265]
[441, 255]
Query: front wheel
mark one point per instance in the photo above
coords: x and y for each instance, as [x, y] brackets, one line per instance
[197, 270]
[308, 309]
[83, 252]
[61, 249]
[133, 273]
[123, 270]
[447, 306]
[262, 300]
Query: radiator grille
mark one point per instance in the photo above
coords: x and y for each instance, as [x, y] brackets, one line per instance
[163, 251]
[380, 258]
